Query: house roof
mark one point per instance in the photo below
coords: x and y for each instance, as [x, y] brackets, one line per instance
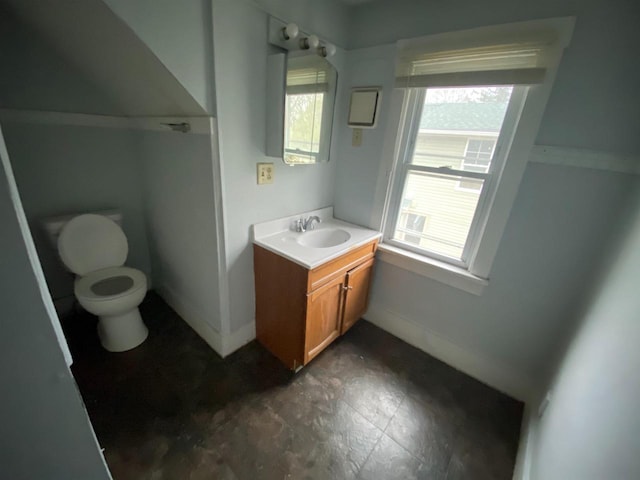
[480, 117]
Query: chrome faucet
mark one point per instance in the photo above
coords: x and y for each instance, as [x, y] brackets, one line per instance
[308, 223]
[303, 225]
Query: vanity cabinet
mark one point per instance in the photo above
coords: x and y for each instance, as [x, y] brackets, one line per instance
[300, 311]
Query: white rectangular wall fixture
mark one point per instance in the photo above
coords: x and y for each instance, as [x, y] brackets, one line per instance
[364, 106]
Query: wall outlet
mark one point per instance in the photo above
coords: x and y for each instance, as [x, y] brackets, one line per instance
[265, 173]
[356, 137]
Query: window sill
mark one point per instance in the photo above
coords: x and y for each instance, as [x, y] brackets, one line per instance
[427, 267]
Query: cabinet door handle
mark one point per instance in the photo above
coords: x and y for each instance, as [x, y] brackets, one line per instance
[347, 287]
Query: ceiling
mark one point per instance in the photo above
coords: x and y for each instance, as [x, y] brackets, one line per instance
[97, 43]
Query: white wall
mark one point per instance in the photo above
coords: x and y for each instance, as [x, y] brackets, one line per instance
[329, 19]
[240, 40]
[37, 77]
[358, 167]
[558, 229]
[562, 217]
[180, 215]
[63, 169]
[46, 432]
[590, 427]
[179, 34]
[590, 105]
[98, 43]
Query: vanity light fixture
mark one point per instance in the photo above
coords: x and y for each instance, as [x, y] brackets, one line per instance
[310, 42]
[327, 50]
[290, 31]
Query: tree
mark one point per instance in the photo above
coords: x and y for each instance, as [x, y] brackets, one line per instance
[494, 94]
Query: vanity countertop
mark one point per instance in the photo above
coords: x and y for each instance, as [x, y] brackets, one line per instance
[279, 236]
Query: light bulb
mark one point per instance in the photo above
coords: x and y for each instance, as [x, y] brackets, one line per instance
[312, 41]
[328, 50]
[290, 31]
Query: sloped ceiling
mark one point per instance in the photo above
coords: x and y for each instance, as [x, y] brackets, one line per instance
[33, 76]
[97, 43]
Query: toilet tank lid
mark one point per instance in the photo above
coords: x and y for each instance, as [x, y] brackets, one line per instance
[92, 242]
[53, 225]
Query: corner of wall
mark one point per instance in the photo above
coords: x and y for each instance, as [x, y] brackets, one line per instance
[487, 370]
[193, 318]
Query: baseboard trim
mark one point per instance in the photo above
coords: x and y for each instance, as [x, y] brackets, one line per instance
[528, 430]
[239, 338]
[223, 345]
[500, 377]
[193, 318]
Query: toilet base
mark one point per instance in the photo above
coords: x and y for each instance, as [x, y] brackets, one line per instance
[119, 333]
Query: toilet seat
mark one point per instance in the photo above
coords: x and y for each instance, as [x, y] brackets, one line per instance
[85, 287]
[92, 242]
[94, 247]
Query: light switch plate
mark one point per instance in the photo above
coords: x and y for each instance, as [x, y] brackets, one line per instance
[265, 173]
[356, 137]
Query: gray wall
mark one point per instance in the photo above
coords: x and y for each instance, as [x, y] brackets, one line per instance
[34, 76]
[98, 43]
[67, 169]
[240, 33]
[180, 214]
[179, 34]
[591, 104]
[559, 227]
[590, 427]
[562, 216]
[46, 433]
[329, 19]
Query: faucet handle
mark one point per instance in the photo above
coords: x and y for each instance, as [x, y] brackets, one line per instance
[309, 225]
[300, 225]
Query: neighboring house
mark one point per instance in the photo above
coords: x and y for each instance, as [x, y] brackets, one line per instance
[461, 136]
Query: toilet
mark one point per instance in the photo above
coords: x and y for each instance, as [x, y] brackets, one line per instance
[94, 247]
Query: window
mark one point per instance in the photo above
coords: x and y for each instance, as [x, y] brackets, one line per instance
[470, 108]
[477, 157]
[308, 109]
[445, 169]
[412, 227]
[303, 122]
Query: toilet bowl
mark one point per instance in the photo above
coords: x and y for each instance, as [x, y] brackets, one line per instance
[95, 248]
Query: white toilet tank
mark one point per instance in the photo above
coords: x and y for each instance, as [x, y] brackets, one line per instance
[53, 225]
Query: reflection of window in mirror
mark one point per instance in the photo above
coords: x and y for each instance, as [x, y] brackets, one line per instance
[308, 109]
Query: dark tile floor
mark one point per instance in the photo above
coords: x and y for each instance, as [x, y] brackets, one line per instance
[369, 407]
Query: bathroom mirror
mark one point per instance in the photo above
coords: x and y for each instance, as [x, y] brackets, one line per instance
[308, 108]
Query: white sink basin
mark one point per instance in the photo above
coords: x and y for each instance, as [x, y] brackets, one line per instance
[324, 238]
[312, 248]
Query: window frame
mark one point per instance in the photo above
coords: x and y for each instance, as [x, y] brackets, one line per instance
[475, 279]
[413, 103]
[465, 157]
[414, 233]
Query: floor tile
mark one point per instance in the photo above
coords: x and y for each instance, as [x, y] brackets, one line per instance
[392, 462]
[424, 433]
[172, 408]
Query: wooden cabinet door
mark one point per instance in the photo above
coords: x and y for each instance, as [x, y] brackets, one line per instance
[357, 298]
[324, 311]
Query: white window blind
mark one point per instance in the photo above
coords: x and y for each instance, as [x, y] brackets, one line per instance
[307, 79]
[499, 55]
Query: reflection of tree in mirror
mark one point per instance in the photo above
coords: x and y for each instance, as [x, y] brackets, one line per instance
[304, 118]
